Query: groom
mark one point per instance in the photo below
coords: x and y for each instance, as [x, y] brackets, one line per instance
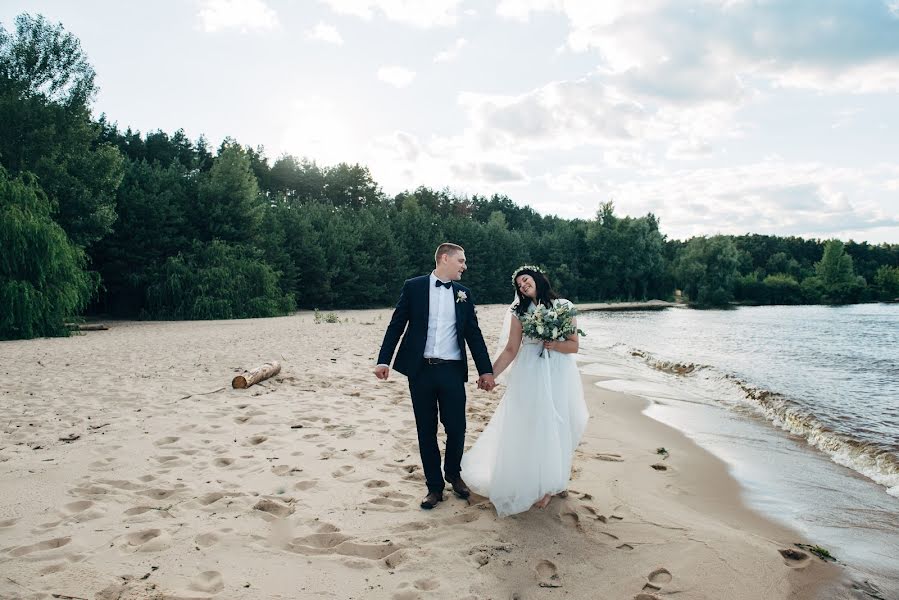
[438, 317]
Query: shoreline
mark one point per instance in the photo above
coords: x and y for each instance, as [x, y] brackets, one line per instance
[307, 485]
[697, 495]
[614, 306]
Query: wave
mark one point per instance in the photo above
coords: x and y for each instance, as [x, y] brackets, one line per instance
[878, 463]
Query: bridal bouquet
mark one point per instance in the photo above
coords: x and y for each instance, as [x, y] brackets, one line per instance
[551, 324]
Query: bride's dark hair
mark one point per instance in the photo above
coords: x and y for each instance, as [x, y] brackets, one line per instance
[545, 292]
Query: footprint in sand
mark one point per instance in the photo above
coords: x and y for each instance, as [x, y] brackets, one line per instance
[660, 576]
[570, 518]
[54, 568]
[274, 508]
[388, 502]
[595, 513]
[158, 493]
[139, 510]
[8, 523]
[659, 467]
[376, 483]
[148, 540]
[283, 470]
[795, 559]
[343, 471]
[548, 574]
[205, 540]
[255, 440]
[40, 546]
[463, 518]
[166, 440]
[210, 498]
[313, 544]
[73, 508]
[102, 465]
[91, 490]
[428, 584]
[608, 457]
[209, 582]
[224, 461]
[305, 485]
[412, 526]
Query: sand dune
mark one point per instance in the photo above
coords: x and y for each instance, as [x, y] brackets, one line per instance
[130, 469]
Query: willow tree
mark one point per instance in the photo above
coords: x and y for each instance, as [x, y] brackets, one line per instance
[42, 279]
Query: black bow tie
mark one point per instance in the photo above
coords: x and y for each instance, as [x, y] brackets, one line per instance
[446, 284]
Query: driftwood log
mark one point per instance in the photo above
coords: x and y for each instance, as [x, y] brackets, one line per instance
[87, 326]
[269, 369]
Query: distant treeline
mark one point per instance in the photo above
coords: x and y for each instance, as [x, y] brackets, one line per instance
[94, 219]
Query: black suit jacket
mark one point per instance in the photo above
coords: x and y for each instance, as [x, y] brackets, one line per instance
[412, 310]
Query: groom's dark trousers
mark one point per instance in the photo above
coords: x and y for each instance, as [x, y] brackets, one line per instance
[437, 387]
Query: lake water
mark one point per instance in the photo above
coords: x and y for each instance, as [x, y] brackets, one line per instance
[802, 402]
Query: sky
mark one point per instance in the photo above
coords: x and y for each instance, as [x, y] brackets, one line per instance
[718, 116]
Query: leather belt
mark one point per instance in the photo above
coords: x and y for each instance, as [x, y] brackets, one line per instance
[440, 361]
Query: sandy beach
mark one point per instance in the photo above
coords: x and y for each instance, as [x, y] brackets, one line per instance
[130, 469]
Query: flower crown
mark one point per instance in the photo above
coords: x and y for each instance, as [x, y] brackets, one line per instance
[518, 271]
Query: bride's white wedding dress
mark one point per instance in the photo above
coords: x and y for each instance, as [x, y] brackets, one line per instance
[525, 451]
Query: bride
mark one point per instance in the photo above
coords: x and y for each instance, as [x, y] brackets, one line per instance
[524, 455]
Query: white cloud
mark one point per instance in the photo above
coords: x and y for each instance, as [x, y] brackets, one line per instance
[561, 114]
[417, 13]
[773, 197]
[402, 160]
[451, 53]
[588, 112]
[325, 33]
[396, 76]
[244, 15]
[487, 172]
[704, 49]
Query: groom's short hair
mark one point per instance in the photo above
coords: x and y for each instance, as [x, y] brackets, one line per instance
[447, 248]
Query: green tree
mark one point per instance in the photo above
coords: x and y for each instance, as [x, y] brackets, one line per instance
[45, 86]
[350, 185]
[782, 289]
[217, 280]
[42, 279]
[229, 206]
[152, 203]
[887, 281]
[835, 271]
[835, 267]
[707, 270]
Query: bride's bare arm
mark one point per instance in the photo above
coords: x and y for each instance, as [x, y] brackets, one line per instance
[509, 353]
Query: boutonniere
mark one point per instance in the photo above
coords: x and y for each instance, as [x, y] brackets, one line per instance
[461, 296]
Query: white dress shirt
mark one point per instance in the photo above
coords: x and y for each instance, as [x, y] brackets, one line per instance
[441, 342]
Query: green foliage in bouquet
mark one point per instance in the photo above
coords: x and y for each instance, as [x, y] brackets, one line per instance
[551, 324]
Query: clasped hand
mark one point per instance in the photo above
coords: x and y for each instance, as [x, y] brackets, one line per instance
[486, 382]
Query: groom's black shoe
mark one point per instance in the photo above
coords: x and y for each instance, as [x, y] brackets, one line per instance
[431, 500]
[460, 488]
